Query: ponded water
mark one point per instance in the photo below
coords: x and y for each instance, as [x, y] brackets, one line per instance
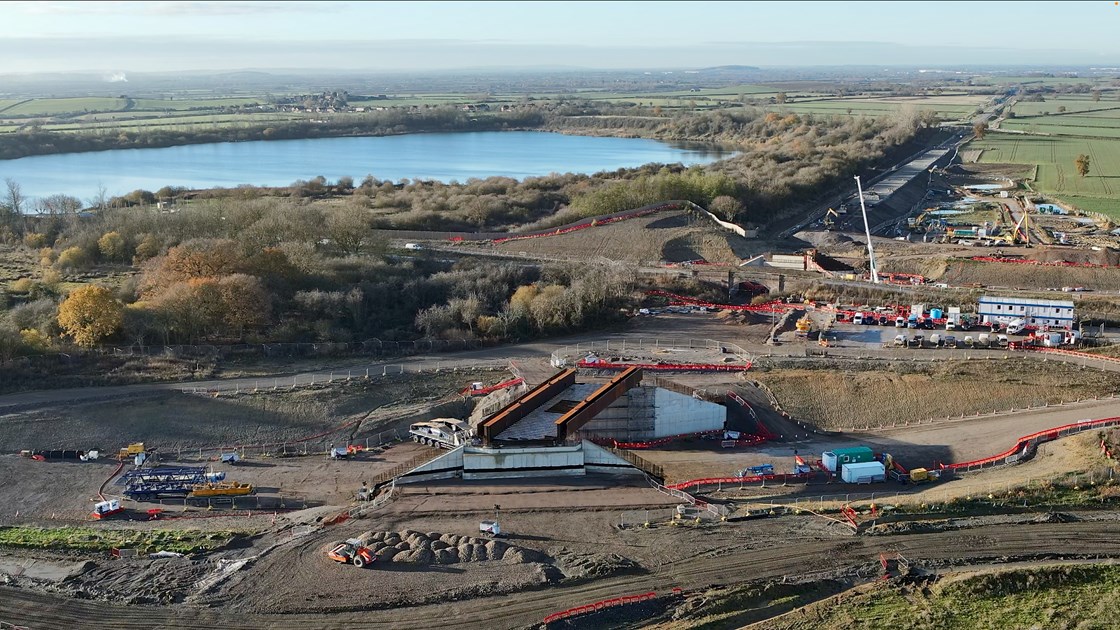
[439, 156]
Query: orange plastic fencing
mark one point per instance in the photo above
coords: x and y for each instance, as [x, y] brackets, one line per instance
[493, 388]
[667, 367]
[745, 439]
[775, 306]
[602, 605]
[591, 223]
[1041, 436]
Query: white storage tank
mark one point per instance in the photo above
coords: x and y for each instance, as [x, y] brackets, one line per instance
[863, 472]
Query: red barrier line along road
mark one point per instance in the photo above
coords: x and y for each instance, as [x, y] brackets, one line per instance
[591, 223]
[1021, 444]
[711, 481]
[763, 432]
[682, 300]
[1039, 437]
[745, 439]
[493, 388]
[1073, 353]
[600, 605]
[667, 367]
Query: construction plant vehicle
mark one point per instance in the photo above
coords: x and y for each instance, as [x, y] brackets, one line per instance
[830, 219]
[804, 325]
[131, 450]
[441, 432]
[221, 489]
[352, 552]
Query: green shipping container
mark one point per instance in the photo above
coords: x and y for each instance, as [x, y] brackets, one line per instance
[835, 459]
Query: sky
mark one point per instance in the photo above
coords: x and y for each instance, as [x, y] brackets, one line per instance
[410, 36]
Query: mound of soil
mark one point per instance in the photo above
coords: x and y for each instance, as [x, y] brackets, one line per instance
[433, 548]
[824, 239]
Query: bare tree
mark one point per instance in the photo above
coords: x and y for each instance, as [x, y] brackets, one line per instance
[13, 197]
[100, 198]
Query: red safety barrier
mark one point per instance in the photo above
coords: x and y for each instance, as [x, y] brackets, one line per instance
[745, 439]
[1041, 436]
[1071, 353]
[775, 306]
[589, 224]
[602, 605]
[493, 388]
[711, 481]
[763, 431]
[667, 367]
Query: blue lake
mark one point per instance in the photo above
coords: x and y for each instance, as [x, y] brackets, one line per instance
[439, 156]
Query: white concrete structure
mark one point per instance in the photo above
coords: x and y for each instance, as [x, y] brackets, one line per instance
[648, 413]
[477, 462]
[446, 466]
[1035, 312]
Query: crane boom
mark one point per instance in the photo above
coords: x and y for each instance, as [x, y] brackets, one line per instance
[867, 229]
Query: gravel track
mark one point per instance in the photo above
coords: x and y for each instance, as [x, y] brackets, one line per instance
[526, 608]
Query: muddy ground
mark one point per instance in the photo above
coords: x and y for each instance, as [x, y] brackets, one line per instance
[170, 420]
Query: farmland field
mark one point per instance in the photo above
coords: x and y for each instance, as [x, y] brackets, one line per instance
[1055, 155]
[55, 106]
[160, 104]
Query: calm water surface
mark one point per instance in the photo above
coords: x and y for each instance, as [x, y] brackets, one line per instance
[440, 156]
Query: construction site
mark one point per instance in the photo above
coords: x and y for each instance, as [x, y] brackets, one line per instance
[602, 483]
[912, 385]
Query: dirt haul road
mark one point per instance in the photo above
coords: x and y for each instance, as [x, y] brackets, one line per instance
[667, 329]
[525, 609]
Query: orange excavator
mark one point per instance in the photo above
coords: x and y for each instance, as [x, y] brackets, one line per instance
[352, 552]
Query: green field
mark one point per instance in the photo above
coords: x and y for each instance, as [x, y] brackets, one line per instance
[1081, 117]
[1055, 155]
[56, 106]
[159, 104]
[1071, 596]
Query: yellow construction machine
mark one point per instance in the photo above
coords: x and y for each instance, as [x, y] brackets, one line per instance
[830, 218]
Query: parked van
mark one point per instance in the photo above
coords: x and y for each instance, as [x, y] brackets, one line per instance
[857, 319]
[900, 322]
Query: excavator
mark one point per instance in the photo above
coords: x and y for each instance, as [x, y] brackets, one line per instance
[830, 219]
[1020, 235]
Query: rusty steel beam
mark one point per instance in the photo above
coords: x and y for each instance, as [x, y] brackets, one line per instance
[594, 404]
[517, 410]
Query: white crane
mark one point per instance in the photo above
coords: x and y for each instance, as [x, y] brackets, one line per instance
[867, 228]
